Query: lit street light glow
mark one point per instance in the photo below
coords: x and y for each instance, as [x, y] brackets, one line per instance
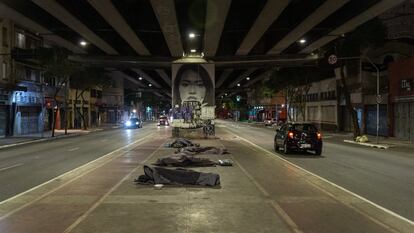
[83, 43]
[302, 41]
[140, 78]
[238, 84]
[191, 35]
[193, 50]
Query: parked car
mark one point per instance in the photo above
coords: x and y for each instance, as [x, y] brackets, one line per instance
[270, 122]
[133, 123]
[298, 137]
[163, 120]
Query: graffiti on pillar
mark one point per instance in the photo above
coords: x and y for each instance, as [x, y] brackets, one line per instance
[193, 83]
[193, 90]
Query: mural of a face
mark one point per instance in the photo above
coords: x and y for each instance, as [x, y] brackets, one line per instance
[191, 87]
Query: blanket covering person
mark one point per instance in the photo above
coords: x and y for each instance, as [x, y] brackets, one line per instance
[184, 160]
[181, 142]
[191, 150]
[178, 176]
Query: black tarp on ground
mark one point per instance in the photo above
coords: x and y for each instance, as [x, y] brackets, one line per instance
[179, 176]
[203, 150]
[184, 160]
[182, 142]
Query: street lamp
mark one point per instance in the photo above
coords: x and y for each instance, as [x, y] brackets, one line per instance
[83, 43]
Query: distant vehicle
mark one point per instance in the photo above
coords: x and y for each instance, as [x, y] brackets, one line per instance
[163, 120]
[298, 137]
[133, 123]
[270, 122]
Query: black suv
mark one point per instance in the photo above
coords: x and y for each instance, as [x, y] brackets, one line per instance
[298, 137]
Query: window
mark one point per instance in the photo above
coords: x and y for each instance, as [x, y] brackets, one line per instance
[49, 81]
[20, 40]
[36, 74]
[5, 39]
[4, 70]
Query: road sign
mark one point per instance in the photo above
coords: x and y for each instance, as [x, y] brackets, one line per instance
[332, 59]
[379, 99]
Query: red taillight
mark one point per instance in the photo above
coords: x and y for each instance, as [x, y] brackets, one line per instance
[290, 134]
[319, 135]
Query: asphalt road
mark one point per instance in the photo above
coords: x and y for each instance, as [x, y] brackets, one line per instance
[24, 167]
[385, 177]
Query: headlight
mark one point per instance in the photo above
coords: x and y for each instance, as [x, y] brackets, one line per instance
[128, 123]
[136, 123]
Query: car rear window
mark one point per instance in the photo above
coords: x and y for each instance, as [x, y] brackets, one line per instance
[304, 127]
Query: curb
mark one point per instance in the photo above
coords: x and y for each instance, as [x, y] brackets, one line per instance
[379, 146]
[39, 140]
[54, 138]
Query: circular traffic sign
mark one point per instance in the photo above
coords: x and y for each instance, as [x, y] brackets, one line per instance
[332, 59]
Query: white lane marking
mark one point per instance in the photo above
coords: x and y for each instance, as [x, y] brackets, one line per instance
[73, 149]
[12, 166]
[104, 140]
[329, 182]
[89, 211]
[64, 174]
[273, 203]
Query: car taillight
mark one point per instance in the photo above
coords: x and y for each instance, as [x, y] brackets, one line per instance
[290, 134]
[319, 135]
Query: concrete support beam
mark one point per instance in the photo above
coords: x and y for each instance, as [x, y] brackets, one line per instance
[242, 76]
[60, 13]
[122, 75]
[367, 15]
[115, 19]
[164, 76]
[10, 13]
[311, 21]
[269, 14]
[147, 77]
[223, 77]
[216, 16]
[108, 11]
[261, 77]
[166, 15]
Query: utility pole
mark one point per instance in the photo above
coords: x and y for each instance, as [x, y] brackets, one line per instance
[66, 105]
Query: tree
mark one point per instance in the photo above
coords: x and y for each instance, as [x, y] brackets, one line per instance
[369, 35]
[84, 79]
[56, 66]
[294, 82]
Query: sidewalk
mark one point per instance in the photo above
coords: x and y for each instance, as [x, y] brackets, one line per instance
[31, 138]
[383, 142]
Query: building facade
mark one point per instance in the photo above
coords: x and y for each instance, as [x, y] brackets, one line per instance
[401, 99]
[21, 88]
